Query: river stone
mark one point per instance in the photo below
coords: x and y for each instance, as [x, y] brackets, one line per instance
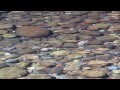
[12, 72]
[29, 57]
[3, 65]
[37, 76]
[5, 26]
[13, 60]
[96, 42]
[23, 64]
[60, 53]
[95, 73]
[25, 51]
[114, 28]
[10, 41]
[3, 31]
[71, 66]
[109, 45]
[104, 57]
[107, 38]
[9, 35]
[32, 31]
[69, 45]
[97, 63]
[98, 26]
[74, 56]
[93, 33]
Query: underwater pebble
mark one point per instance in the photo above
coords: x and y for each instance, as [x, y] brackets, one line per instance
[14, 60]
[45, 49]
[114, 67]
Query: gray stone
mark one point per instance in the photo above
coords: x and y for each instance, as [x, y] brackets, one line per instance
[12, 73]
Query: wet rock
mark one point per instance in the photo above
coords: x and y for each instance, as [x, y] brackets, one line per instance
[60, 53]
[97, 63]
[3, 31]
[45, 49]
[50, 70]
[93, 33]
[96, 42]
[109, 45]
[27, 31]
[9, 35]
[82, 52]
[69, 45]
[114, 28]
[94, 73]
[74, 56]
[13, 60]
[37, 76]
[107, 38]
[25, 51]
[23, 64]
[8, 56]
[3, 65]
[71, 66]
[12, 72]
[68, 31]
[98, 26]
[114, 67]
[104, 57]
[10, 41]
[46, 57]
[5, 26]
[116, 42]
[116, 71]
[29, 57]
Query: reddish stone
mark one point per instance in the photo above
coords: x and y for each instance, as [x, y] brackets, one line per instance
[32, 31]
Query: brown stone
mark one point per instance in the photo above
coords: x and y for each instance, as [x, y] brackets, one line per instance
[32, 31]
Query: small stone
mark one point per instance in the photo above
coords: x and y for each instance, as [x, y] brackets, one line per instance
[74, 56]
[69, 45]
[97, 63]
[9, 35]
[31, 69]
[29, 57]
[73, 65]
[45, 49]
[94, 33]
[5, 26]
[114, 28]
[24, 51]
[82, 43]
[113, 67]
[98, 26]
[47, 57]
[3, 65]
[104, 57]
[32, 31]
[107, 38]
[96, 42]
[12, 72]
[102, 49]
[82, 52]
[87, 68]
[60, 53]
[13, 60]
[9, 56]
[116, 71]
[24, 64]
[116, 42]
[94, 73]
[10, 41]
[37, 76]
[3, 31]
